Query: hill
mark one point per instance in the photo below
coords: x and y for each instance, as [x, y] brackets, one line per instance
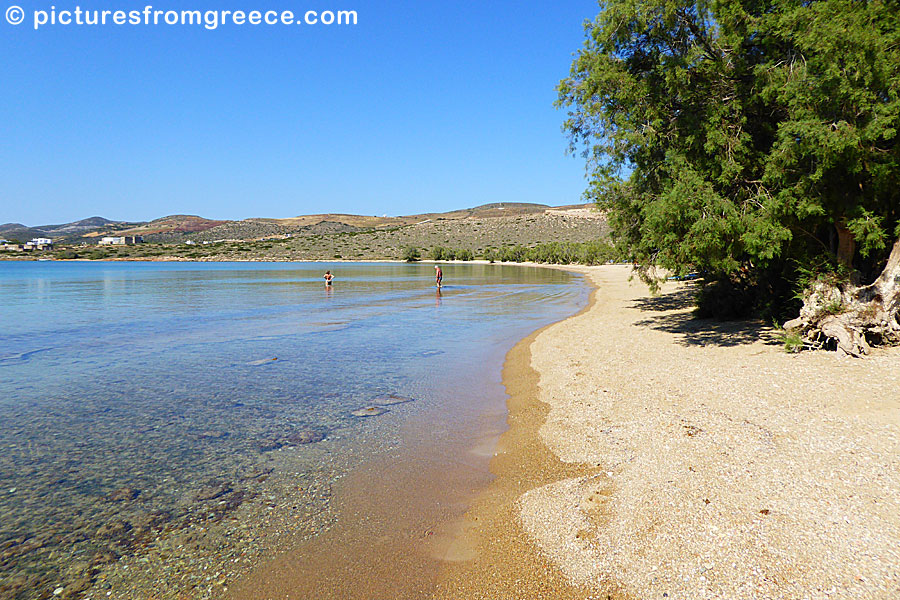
[329, 236]
[64, 231]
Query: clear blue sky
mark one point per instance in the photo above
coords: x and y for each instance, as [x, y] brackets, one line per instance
[423, 106]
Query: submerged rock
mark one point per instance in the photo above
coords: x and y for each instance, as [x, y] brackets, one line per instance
[263, 361]
[369, 411]
[114, 529]
[270, 444]
[391, 399]
[123, 494]
[213, 490]
[305, 436]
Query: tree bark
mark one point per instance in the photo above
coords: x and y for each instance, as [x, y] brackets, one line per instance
[846, 248]
[850, 317]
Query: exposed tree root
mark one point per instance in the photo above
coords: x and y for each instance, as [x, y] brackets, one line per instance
[853, 317]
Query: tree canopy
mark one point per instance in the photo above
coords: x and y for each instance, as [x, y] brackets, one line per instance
[749, 139]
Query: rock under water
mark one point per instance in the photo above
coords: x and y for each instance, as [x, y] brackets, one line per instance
[391, 399]
[369, 411]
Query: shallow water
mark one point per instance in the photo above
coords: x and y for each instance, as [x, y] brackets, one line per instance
[141, 399]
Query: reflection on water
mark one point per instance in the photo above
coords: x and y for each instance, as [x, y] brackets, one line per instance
[140, 400]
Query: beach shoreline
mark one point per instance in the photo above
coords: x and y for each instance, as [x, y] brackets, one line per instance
[272, 491]
[397, 519]
[506, 565]
[653, 454]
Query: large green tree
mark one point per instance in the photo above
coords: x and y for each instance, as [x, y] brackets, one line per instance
[753, 140]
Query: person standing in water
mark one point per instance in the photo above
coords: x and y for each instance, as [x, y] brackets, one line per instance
[328, 277]
[438, 275]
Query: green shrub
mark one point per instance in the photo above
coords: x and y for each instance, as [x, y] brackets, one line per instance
[411, 254]
[585, 253]
[834, 307]
[792, 341]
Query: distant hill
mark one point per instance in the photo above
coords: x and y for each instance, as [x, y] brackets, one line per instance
[180, 228]
[62, 231]
[78, 227]
[17, 231]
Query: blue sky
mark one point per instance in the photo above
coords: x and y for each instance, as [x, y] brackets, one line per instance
[423, 106]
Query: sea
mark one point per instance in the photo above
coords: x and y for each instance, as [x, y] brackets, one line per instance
[146, 406]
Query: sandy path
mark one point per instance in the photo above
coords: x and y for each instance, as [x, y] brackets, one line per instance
[671, 458]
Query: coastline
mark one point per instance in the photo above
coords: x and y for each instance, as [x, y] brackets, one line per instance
[475, 261]
[283, 508]
[505, 564]
[652, 454]
[398, 519]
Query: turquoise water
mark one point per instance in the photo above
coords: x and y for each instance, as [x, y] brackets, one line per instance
[136, 398]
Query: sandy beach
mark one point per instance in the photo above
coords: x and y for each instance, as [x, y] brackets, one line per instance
[652, 455]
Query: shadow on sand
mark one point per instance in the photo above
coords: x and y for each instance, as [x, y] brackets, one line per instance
[691, 331]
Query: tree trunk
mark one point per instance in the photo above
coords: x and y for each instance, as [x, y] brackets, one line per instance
[851, 316]
[846, 248]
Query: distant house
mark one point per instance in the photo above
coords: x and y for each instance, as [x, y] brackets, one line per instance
[15, 247]
[38, 244]
[125, 240]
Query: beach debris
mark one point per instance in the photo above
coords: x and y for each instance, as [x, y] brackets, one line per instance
[262, 361]
[305, 436]
[369, 411]
[391, 399]
[691, 430]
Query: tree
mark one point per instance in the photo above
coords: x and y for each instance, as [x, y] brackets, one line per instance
[411, 254]
[754, 141]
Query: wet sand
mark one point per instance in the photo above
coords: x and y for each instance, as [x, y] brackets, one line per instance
[396, 519]
[507, 563]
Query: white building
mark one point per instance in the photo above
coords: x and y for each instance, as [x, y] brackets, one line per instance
[39, 244]
[127, 240]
